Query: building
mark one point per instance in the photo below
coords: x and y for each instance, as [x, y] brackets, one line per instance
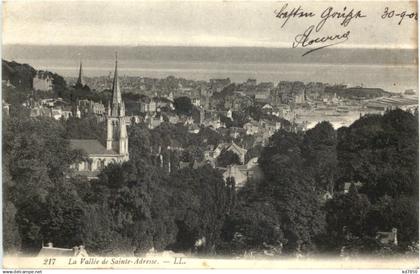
[6, 108]
[233, 171]
[224, 147]
[347, 186]
[251, 82]
[263, 97]
[291, 92]
[196, 102]
[116, 149]
[50, 251]
[54, 108]
[153, 121]
[252, 127]
[90, 107]
[409, 92]
[243, 173]
[42, 81]
[217, 85]
[387, 237]
[148, 105]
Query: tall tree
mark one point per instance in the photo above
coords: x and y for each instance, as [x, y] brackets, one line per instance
[183, 105]
[227, 158]
[292, 190]
[319, 151]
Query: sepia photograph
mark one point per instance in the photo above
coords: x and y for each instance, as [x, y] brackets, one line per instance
[210, 134]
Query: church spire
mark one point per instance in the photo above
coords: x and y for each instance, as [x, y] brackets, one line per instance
[117, 104]
[80, 82]
[116, 92]
[80, 79]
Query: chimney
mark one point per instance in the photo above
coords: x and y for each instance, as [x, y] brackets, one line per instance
[49, 244]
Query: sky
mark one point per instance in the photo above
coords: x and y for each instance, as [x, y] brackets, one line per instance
[197, 23]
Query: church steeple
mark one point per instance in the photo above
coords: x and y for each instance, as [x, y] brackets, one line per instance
[117, 105]
[80, 81]
[117, 138]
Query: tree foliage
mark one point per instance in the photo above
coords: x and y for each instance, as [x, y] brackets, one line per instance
[183, 105]
[227, 158]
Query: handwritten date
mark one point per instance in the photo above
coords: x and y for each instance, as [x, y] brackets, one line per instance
[388, 14]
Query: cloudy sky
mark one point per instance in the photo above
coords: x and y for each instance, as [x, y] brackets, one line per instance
[196, 23]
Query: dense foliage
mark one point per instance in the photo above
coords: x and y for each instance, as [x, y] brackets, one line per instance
[377, 153]
[183, 105]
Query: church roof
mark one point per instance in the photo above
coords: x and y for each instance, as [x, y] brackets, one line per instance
[237, 148]
[92, 147]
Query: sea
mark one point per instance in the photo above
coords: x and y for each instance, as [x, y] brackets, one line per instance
[394, 70]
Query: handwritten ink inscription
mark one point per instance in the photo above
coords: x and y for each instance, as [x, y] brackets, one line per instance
[314, 36]
[389, 14]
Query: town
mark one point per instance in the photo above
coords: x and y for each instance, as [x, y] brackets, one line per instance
[245, 114]
[214, 127]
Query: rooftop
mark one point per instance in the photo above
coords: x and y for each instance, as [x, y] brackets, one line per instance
[92, 147]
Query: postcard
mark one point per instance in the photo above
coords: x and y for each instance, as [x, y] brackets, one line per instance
[210, 134]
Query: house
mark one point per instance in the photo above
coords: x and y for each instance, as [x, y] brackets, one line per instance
[50, 251]
[55, 112]
[229, 114]
[292, 92]
[198, 115]
[267, 107]
[236, 132]
[196, 102]
[172, 118]
[210, 156]
[198, 164]
[271, 125]
[234, 172]
[409, 92]
[265, 86]
[183, 164]
[215, 123]
[251, 82]
[162, 102]
[153, 121]
[241, 152]
[326, 196]
[90, 107]
[42, 81]
[64, 112]
[193, 128]
[243, 173]
[170, 96]
[251, 127]
[6, 108]
[262, 97]
[147, 105]
[387, 237]
[7, 83]
[347, 186]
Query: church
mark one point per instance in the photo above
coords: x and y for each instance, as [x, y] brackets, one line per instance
[116, 148]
